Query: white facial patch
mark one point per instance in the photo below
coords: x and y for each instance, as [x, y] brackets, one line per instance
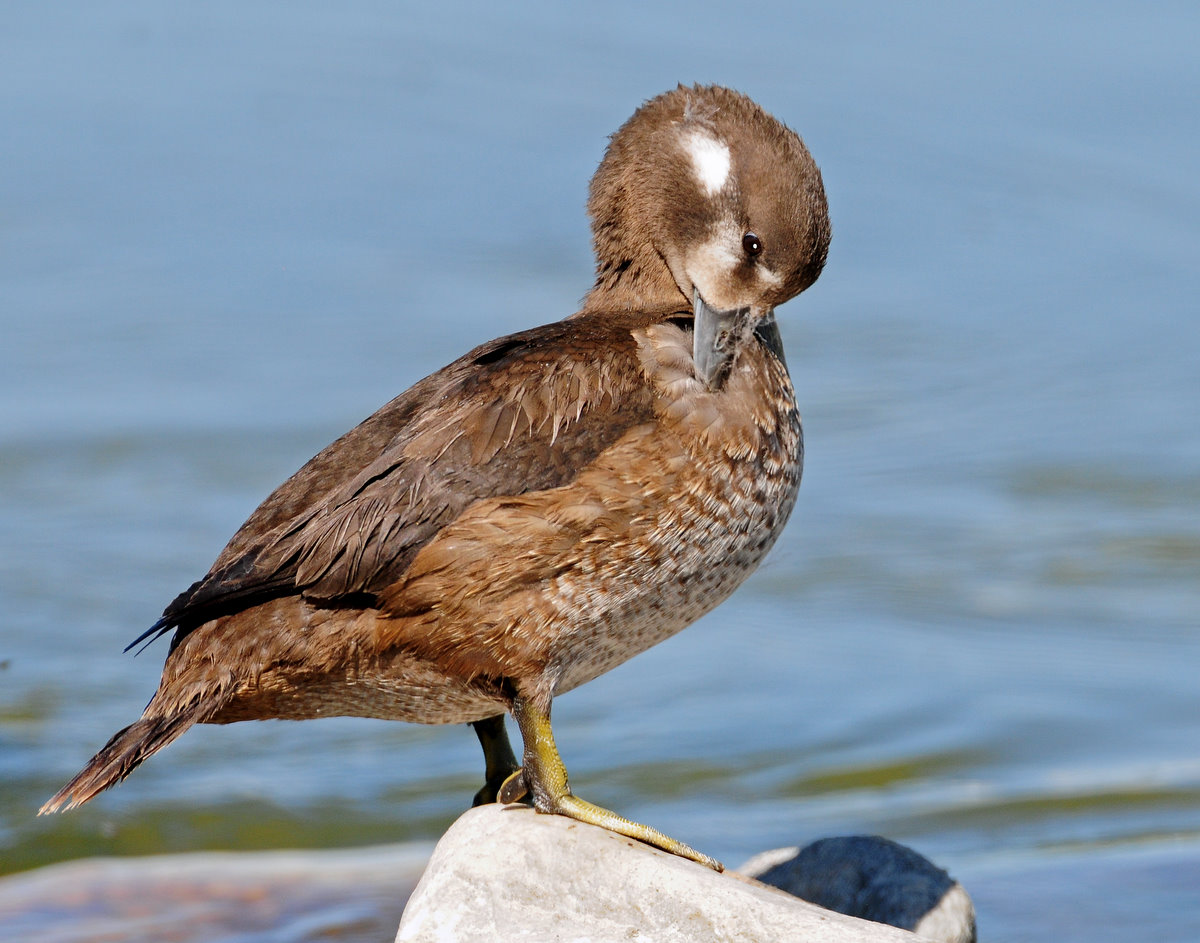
[710, 266]
[710, 263]
[711, 160]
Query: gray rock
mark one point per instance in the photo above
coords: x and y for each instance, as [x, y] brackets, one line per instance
[508, 873]
[350, 895]
[872, 878]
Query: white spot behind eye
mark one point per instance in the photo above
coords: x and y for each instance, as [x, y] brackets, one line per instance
[711, 160]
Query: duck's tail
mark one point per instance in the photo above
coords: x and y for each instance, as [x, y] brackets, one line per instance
[124, 752]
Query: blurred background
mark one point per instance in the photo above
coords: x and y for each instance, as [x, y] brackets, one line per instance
[230, 231]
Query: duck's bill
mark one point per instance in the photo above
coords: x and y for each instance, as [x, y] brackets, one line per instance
[715, 340]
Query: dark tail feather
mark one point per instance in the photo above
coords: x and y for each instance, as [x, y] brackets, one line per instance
[122, 755]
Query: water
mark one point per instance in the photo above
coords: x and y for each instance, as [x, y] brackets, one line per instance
[227, 233]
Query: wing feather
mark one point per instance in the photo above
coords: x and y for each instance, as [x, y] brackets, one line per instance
[526, 412]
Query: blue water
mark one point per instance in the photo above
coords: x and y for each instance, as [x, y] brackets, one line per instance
[230, 231]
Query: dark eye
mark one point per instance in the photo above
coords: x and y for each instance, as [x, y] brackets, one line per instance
[752, 244]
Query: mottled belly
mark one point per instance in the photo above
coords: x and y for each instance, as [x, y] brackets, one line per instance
[698, 550]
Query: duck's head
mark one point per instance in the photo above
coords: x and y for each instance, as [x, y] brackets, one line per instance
[705, 200]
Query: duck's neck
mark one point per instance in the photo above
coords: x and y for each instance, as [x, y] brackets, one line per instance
[634, 282]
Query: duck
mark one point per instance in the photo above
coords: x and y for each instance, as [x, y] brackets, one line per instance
[548, 505]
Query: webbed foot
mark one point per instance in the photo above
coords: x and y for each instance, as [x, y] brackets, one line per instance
[545, 777]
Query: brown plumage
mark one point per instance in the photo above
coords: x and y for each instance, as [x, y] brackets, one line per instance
[548, 505]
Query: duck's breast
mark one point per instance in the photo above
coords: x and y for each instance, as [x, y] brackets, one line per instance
[714, 481]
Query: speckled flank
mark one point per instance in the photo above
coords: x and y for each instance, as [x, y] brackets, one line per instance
[304, 681]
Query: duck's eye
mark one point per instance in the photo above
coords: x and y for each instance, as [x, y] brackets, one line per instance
[752, 244]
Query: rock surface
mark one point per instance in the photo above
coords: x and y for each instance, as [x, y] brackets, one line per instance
[508, 873]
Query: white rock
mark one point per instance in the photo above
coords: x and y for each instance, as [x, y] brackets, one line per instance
[508, 873]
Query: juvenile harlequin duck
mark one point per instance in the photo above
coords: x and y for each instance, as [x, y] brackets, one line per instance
[548, 505]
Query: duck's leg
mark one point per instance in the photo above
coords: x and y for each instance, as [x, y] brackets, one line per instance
[546, 778]
[498, 757]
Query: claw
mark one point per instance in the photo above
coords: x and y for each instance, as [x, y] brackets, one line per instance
[513, 789]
